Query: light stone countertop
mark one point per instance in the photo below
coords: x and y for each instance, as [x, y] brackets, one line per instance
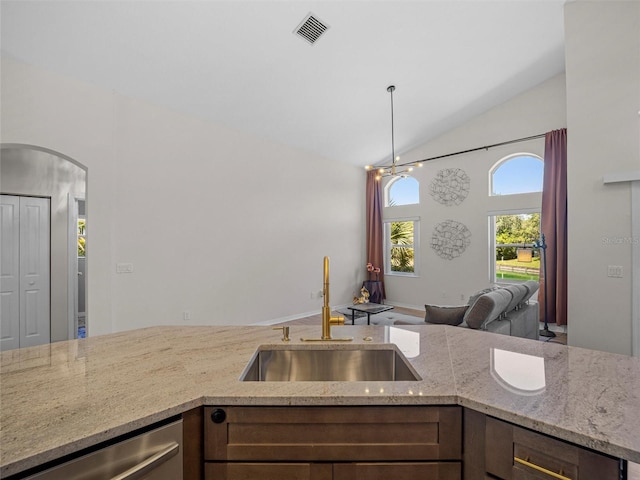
[60, 398]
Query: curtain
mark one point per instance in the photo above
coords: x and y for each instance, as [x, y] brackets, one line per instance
[375, 230]
[553, 287]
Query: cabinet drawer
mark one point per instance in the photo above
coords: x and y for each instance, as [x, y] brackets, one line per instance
[333, 433]
[397, 471]
[514, 453]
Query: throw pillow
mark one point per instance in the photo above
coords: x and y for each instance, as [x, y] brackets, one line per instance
[444, 315]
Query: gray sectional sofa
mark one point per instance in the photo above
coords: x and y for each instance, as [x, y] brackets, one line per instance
[508, 310]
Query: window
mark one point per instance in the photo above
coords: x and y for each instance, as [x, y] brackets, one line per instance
[519, 173]
[404, 190]
[513, 257]
[401, 241]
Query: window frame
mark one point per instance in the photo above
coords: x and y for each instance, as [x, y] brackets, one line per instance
[491, 216]
[389, 185]
[388, 246]
[496, 166]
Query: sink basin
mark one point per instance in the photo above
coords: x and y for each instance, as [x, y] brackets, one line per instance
[353, 363]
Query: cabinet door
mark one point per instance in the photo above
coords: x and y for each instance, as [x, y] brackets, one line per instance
[268, 471]
[397, 471]
[514, 453]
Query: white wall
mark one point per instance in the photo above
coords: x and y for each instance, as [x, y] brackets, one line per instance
[603, 101]
[226, 226]
[450, 282]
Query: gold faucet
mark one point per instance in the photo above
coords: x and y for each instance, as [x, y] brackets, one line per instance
[327, 319]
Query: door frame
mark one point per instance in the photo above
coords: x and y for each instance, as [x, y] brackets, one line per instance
[72, 270]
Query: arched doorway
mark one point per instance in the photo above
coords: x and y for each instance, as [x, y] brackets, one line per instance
[33, 172]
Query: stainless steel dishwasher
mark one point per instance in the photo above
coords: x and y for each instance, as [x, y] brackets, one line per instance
[156, 454]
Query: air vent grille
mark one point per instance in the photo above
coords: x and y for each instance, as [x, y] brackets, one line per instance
[311, 29]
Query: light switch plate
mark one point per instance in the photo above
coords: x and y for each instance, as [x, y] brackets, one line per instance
[614, 271]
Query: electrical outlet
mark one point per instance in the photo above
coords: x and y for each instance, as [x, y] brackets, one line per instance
[186, 315]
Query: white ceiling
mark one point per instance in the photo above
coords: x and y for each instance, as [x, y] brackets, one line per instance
[238, 62]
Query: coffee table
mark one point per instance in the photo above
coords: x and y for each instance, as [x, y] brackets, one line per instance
[369, 309]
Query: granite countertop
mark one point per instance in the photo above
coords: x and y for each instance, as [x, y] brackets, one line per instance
[60, 398]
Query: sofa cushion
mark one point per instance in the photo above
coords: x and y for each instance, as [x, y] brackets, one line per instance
[487, 307]
[444, 315]
[532, 287]
[474, 297]
[518, 292]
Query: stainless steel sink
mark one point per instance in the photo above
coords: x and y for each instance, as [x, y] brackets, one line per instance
[353, 363]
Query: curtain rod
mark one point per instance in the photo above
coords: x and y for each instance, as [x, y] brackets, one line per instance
[487, 147]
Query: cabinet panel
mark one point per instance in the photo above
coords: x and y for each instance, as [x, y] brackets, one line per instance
[334, 434]
[515, 453]
[192, 444]
[397, 471]
[268, 471]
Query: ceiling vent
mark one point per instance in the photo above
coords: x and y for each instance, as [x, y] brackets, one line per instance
[311, 29]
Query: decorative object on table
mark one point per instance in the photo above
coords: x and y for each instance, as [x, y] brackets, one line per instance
[395, 169]
[450, 186]
[373, 285]
[542, 246]
[363, 298]
[371, 269]
[450, 239]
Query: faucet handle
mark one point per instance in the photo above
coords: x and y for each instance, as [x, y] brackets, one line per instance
[339, 320]
[285, 332]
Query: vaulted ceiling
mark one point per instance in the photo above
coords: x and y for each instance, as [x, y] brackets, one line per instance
[239, 63]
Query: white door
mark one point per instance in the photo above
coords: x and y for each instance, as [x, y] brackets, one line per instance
[25, 249]
[10, 272]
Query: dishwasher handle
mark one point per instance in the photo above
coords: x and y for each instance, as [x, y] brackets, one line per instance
[149, 464]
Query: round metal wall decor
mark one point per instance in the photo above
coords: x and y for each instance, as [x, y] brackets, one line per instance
[450, 239]
[450, 186]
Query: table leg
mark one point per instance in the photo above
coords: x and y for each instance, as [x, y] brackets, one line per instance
[368, 318]
[353, 317]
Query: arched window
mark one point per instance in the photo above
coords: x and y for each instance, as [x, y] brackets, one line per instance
[403, 190]
[514, 225]
[519, 173]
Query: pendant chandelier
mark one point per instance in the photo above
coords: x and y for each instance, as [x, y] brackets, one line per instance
[395, 169]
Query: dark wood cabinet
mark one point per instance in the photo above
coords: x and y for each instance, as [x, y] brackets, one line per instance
[193, 444]
[497, 449]
[333, 442]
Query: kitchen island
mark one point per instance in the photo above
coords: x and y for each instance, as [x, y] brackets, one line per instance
[60, 398]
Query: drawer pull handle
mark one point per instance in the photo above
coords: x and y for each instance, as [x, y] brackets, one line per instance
[144, 467]
[540, 469]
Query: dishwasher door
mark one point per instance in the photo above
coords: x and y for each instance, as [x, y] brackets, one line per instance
[156, 455]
